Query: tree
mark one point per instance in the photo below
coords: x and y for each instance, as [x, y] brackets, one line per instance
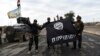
[70, 16]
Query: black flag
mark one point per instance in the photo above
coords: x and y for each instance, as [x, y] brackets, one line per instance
[61, 31]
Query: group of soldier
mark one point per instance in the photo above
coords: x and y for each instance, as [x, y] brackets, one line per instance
[79, 25]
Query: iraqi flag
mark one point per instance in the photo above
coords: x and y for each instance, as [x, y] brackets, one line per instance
[18, 3]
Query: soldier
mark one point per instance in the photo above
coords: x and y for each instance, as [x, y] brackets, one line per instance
[61, 18]
[35, 27]
[79, 26]
[45, 25]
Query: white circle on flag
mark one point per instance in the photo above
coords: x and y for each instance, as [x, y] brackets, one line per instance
[58, 26]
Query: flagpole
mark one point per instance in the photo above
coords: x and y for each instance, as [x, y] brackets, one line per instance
[19, 7]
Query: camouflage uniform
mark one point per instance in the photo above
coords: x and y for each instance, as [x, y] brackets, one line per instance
[79, 26]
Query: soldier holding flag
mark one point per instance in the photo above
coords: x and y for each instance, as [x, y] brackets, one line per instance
[45, 25]
[79, 26]
[35, 28]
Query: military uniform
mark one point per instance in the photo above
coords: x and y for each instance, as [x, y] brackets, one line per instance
[79, 26]
[45, 25]
[35, 27]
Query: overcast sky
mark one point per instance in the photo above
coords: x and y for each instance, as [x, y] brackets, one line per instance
[41, 9]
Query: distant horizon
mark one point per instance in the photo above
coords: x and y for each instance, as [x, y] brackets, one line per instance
[10, 24]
